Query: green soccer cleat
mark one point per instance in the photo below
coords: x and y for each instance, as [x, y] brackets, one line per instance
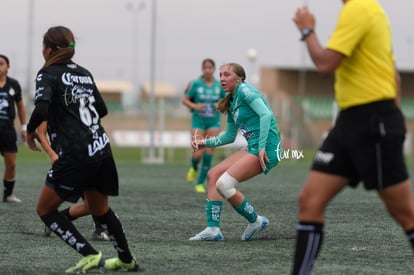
[88, 262]
[114, 264]
[199, 188]
[191, 175]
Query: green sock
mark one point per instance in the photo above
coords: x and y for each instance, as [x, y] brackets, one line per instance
[246, 210]
[213, 212]
[204, 168]
[194, 163]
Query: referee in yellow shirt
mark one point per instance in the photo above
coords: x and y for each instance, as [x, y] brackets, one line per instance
[366, 143]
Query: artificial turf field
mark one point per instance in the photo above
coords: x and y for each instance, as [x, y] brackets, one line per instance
[160, 211]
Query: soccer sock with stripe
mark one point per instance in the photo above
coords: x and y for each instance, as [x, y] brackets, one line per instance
[8, 188]
[204, 168]
[116, 235]
[246, 210]
[308, 243]
[65, 229]
[213, 212]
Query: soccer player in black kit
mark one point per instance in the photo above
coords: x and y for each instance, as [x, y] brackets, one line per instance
[68, 99]
[10, 95]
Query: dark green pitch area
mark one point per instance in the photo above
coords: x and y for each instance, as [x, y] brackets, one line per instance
[160, 211]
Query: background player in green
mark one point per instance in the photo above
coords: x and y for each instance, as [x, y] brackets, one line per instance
[201, 97]
[248, 111]
[10, 95]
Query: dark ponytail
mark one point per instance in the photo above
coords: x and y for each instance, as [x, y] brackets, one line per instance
[61, 40]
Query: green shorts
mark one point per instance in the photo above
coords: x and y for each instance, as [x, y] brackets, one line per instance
[205, 123]
[272, 144]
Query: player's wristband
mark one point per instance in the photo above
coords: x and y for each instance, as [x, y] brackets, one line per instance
[24, 127]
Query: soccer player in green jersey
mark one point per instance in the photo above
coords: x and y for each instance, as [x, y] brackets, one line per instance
[248, 111]
[201, 97]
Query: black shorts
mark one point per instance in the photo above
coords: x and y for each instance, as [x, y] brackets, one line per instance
[366, 144]
[71, 182]
[8, 140]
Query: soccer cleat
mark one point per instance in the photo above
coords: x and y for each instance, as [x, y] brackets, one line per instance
[100, 235]
[114, 264]
[191, 175]
[87, 263]
[47, 232]
[255, 227]
[12, 199]
[199, 188]
[209, 234]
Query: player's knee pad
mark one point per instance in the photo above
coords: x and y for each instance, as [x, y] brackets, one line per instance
[225, 185]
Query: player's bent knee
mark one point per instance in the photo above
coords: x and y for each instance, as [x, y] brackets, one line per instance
[213, 173]
[225, 185]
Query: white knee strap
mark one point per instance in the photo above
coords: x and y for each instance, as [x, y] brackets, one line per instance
[225, 185]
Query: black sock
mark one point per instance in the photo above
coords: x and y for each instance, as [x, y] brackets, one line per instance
[99, 227]
[308, 243]
[65, 229]
[66, 214]
[8, 188]
[410, 236]
[116, 234]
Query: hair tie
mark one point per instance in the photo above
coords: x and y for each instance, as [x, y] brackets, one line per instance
[72, 44]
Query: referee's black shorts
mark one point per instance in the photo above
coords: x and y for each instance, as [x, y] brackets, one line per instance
[8, 140]
[70, 182]
[366, 144]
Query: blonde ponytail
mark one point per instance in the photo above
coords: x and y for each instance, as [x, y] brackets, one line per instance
[224, 104]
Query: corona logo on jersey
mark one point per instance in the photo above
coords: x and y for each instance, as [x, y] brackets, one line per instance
[69, 79]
